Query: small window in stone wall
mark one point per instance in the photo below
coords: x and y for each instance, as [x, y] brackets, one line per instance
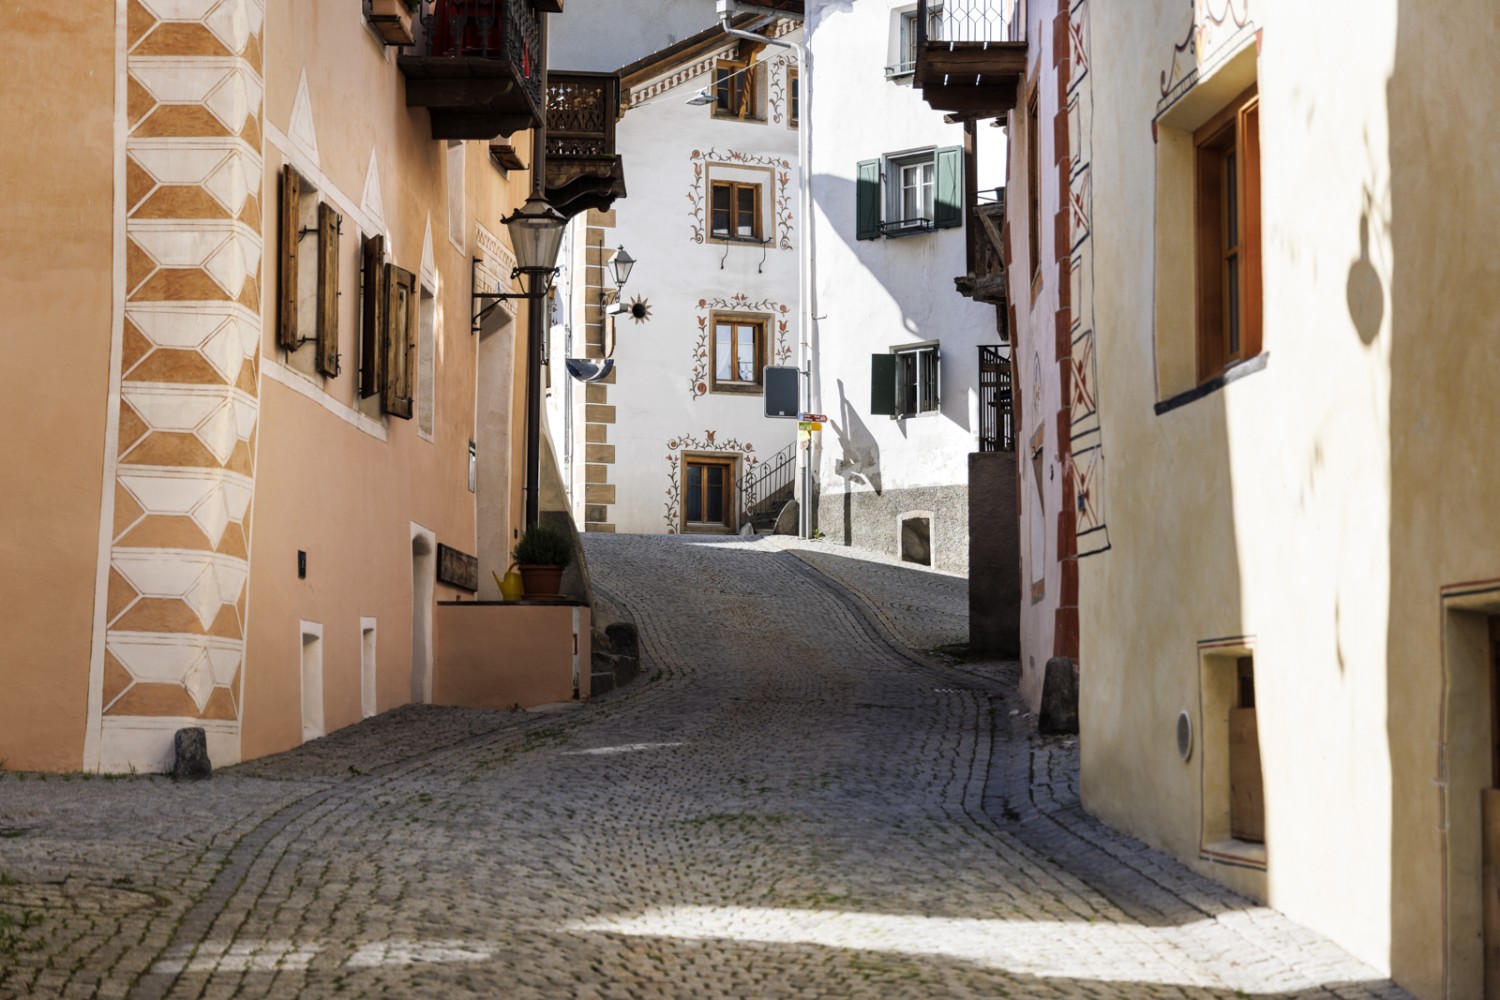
[915, 538]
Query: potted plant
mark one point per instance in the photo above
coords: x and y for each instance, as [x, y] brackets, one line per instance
[392, 18]
[541, 555]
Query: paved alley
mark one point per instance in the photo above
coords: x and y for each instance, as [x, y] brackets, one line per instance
[798, 798]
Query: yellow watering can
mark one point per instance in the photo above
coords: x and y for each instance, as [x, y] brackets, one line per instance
[510, 587]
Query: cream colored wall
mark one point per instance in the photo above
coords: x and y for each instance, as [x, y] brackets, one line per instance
[1317, 506]
[341, 486]
[57, 283]
[1035, 349]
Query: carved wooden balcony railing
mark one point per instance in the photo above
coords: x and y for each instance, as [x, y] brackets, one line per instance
[477, 67]
[985, 280]
[583, 169]
[975, 64]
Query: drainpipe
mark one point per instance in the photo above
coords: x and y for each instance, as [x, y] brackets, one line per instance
[727, 9]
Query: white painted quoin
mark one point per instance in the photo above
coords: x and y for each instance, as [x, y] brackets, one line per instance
[891, 292]
[625, 443]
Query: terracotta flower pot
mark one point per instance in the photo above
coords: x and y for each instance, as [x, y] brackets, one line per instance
[542, 583]
[392, 18]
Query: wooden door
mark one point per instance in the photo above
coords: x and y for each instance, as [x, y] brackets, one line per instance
[1247, 809]
[1490, 818]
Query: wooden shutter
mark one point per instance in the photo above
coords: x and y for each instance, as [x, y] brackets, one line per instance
[329, 223]
[400, 338]
[867, 200]
[948, 188]
[372, 318]
[291, 198]
[883, 385]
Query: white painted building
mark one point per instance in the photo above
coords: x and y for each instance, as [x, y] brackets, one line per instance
[660, 444]
[896, 350]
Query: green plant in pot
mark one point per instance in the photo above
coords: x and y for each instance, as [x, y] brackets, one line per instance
[541, 555]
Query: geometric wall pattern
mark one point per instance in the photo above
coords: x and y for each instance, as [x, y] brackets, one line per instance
[179, 557]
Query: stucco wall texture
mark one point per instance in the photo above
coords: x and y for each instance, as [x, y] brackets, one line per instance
[869, 520]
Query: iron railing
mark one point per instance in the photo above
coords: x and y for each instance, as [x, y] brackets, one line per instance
[769, 483]
[970, 21]
[486, 29]
[581, 112]
[997, 428]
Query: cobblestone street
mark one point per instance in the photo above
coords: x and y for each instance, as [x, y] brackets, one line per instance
[798, 798]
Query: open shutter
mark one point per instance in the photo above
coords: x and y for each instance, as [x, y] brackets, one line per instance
[329, 224]
[291, 198]
[401, 326]
[867, 199]
[948, 189]
[372, 318]
[883, 385]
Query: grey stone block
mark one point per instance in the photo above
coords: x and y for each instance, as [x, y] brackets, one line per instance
[192, 755]
[1059, 711]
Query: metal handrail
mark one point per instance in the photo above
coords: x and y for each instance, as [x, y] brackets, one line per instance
[972, 20]
[760, 486]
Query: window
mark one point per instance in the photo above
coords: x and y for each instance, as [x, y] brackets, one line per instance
[706, 493]
[739, 352]
[738, 92]
[908, 193]
[309, 282]
[907, 381]
[906, 48]
[1227, 182]
[736, 211]
[794, 93]
[1033, 188]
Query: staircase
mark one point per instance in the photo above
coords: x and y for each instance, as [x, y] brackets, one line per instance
[767, 488]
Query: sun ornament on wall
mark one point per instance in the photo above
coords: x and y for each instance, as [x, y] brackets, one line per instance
[640, 309]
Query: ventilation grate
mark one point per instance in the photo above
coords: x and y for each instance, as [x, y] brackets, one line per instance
[1184, 735]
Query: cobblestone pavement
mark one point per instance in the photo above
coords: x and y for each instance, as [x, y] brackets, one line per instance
[798, 799]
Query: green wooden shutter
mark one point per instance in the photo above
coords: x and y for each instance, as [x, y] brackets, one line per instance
[289, 219]
[329, 224]
[948, 190]
[867, 200]
[883, 385]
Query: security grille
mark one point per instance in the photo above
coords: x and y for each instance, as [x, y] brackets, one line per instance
[997, 431]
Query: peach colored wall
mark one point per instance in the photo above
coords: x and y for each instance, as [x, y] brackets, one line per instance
[326, 481]
[503, 655]
[56, 280]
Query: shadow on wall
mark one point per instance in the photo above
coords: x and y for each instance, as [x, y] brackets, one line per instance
[859, 457]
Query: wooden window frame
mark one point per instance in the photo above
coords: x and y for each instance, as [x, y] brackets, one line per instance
[761, 325]
[793, 97]
[734, 188]
[912, 356]
[1227, 224]
[730, 464]
[737, 91]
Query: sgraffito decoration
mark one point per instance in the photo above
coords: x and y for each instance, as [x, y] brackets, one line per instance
[1215, 30]
[776, 89]
[1085, 461]
[691, 442]
[779, 350]
[781, 168]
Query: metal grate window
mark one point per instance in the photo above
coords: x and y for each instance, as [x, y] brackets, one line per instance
[997, 428]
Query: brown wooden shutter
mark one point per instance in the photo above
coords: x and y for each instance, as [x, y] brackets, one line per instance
[401, 337]
[329, 223]
[291, 197]
[372, 318]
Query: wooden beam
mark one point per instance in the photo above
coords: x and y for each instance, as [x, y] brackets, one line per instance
[987, 100]
[970, 60]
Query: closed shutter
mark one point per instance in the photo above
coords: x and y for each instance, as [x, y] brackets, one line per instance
[883, 385]
[329, 224]
[948, 188]
[291, 198]
[372, 318]
[867, 200]
[401, 330]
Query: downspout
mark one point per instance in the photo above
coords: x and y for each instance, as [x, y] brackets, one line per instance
[727, 10]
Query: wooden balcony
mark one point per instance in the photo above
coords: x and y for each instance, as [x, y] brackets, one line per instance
[985, 280]
[583, 170]
[477, 68]
[975, 64]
